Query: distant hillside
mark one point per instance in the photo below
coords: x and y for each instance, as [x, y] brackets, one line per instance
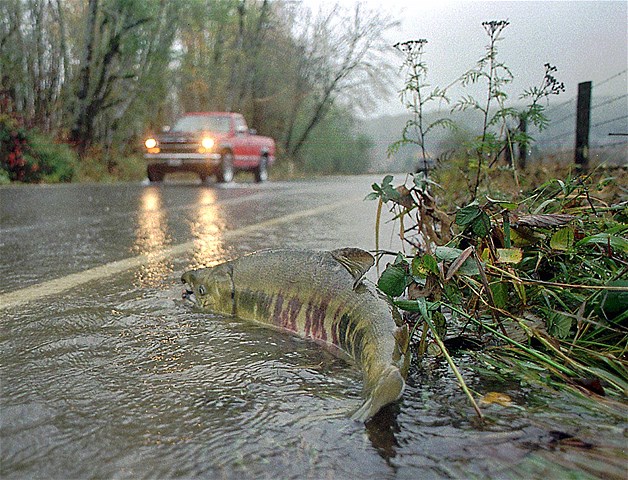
[608, 115]
[386, 130]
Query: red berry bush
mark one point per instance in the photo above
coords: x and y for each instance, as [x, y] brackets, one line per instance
[29, 156]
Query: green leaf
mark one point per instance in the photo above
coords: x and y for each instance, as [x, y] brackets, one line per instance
[421, 266]
[467, 215]
[562, 239]
[449, 254]
[509, 255]
[386, 191]
[500, 294]
[520, 289]
[504, 203]
[440, 323]
[481, 225]
[559, 325]
[422, 304]
[458, 263]
[615, 302]
[418, 305]
[421, 181]
[621, 229]
[407, 305]
[617, 243]
[393, 280]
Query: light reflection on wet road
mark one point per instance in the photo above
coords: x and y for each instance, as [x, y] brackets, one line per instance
[114, 377]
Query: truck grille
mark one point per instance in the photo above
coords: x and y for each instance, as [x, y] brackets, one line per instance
[167, 147]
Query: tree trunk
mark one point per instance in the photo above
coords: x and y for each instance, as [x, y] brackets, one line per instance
[235, 67]
[82, 129]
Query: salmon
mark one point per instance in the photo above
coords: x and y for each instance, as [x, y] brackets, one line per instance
[320, 296]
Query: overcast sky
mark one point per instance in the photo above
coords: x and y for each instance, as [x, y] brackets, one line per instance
[585, 40]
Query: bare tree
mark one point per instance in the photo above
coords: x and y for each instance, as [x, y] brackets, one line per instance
[31, 59]
[344, 58]
[120, 38]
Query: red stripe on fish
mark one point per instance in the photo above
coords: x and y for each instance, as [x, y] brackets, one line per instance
[315, 320]
[288, 316]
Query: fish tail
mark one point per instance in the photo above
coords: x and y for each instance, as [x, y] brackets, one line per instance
[387, 389]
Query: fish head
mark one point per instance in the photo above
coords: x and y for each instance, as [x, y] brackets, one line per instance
[210, 288]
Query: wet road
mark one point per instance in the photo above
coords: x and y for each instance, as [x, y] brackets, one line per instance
[106, 374]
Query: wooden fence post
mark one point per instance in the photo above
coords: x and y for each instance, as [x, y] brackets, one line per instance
[508, 150]
[583, 116]
[523, 146]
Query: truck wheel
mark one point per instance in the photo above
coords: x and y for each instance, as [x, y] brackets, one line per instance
[154, 173]
[226, 172]
[261, 172]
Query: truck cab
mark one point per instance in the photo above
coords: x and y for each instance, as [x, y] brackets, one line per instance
[209, 143]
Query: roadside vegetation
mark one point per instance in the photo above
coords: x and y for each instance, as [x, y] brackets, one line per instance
[527, 268]
[31, 156]
[99, 75]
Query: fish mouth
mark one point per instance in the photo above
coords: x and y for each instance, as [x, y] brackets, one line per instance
[188, 295]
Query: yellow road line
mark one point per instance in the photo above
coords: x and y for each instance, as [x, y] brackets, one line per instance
[26, 295]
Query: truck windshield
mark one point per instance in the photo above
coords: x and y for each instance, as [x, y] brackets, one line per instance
[201, 123]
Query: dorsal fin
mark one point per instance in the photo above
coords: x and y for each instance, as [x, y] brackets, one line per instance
[356, 261]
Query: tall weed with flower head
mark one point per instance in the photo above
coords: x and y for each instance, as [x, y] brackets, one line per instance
[540, 275]
[415, 96]
[497, 132]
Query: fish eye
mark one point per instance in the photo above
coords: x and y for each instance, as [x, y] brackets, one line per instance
[202, 290]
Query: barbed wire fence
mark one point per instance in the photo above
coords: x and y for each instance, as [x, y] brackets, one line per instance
[607, 126]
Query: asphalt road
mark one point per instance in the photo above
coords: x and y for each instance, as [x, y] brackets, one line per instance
[72, 234]
[106, 373]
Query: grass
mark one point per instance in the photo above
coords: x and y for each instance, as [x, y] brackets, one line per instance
[535, 274]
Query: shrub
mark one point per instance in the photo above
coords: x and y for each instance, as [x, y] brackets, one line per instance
[95, 167]
[12, 143]
[56, 161]
[30, 156]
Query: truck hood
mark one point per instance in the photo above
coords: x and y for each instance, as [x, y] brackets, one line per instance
[186, 137]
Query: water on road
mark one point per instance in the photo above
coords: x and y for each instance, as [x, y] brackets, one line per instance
[106, 373]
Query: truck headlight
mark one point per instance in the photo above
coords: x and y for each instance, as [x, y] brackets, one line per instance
[150, 143]
[207, 143]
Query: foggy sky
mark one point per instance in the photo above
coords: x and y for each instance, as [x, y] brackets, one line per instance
[585, 40]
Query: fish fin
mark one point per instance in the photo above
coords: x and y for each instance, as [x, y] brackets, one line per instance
[402, 338]
[356, 261]
[397, 317]
[362, 414]
[388, 389]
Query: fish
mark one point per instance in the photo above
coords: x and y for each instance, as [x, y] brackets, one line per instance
[318, 295]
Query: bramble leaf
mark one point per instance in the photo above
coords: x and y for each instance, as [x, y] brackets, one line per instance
[392, 280]
[500, 294]
[467, 215]
[562, 239]
[423, 265]
[481, 225]
[509, 255]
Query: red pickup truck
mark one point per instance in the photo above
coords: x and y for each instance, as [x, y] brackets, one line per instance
[209, 143]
